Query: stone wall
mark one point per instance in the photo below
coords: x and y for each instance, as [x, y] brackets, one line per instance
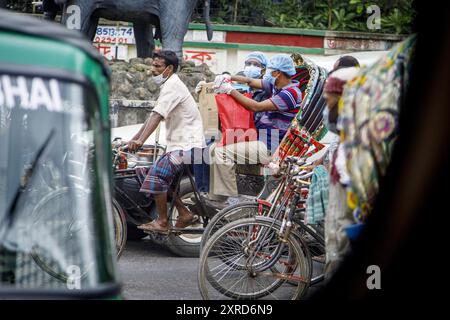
[133, 90]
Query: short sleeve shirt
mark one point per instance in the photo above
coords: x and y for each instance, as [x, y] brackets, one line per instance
[184, 126]
[287, 101]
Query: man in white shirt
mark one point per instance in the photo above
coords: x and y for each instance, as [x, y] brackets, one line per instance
[184, 132]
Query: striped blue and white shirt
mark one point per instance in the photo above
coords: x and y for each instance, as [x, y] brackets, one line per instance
[287, 101]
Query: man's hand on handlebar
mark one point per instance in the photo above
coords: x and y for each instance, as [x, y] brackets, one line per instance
[134, 145]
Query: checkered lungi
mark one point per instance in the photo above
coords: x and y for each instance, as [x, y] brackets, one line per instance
[164, 174]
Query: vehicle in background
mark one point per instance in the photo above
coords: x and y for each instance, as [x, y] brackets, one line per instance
[56, 215]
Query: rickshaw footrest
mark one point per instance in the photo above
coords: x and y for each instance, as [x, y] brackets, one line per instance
[187, 231]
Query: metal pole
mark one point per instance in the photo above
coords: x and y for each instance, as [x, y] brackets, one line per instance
[156, 141]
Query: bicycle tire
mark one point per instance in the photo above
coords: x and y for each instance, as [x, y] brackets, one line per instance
[300, 251]
[118, 218]
[47, 265]
[120, 228]
[229, 214]
[184, 245]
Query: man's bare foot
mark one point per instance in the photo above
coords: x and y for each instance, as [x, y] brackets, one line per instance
[185, 218]
[162, 223]
[184, 213]
[184, 221]
[155, 226]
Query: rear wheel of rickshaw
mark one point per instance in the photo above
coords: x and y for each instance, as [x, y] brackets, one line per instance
[56, 251]
[68, 230]
[232, 213]
[133, 233]
[184, 245]
[246, 209]
[246, 259]
[134, 217]
[120, 228]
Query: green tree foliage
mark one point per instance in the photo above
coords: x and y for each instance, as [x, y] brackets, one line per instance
[341, 15]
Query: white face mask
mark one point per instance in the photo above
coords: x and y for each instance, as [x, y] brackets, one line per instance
[159, 79]
[253, 72]
[269, 77]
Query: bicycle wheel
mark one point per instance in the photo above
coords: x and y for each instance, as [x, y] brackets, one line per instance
[185, 244]
[313, 237]
[235, 266]
[232, 213]
[65, 231]
[120, 228]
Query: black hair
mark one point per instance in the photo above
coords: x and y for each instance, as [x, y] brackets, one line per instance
[226, 72]
[346, 62]
[170, 58]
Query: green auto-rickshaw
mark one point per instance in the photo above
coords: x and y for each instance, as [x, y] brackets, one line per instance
[57, 221]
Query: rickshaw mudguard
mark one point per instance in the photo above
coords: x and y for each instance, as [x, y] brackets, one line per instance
[37, 48]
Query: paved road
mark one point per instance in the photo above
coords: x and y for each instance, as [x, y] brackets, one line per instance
[150, 271]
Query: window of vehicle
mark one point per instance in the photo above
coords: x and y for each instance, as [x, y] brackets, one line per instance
[49, 200]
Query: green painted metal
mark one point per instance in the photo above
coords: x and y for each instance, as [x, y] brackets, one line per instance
[22, 49]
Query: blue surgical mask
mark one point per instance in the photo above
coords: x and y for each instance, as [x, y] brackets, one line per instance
[159, 79]
[268, 77]
[252, 72]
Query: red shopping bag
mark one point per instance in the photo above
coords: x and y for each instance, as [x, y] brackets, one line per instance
[236, 121]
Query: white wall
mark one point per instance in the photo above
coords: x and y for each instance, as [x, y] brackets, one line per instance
[232, 60]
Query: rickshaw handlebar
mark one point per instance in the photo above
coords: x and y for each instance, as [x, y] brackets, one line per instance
[297, 160]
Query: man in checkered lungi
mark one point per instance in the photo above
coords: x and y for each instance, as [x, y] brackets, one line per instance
[184, 132]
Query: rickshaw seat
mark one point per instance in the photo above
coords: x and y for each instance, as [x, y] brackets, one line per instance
[250, 169]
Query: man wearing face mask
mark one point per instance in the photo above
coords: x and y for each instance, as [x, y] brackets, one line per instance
[255, 68]
[277, 113]
[255, 65]
[184, 132]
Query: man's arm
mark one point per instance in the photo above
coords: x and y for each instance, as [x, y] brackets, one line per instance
[252, 105]
[254, 83]
[146, 130]
[138, 134]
